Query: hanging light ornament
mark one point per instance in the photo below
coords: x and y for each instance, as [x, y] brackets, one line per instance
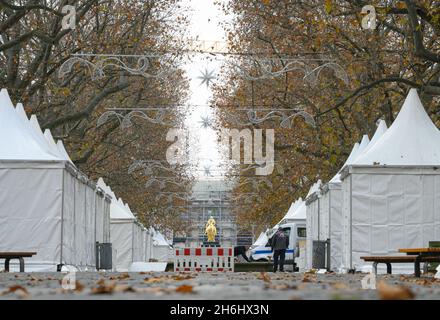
[206, 122]
[207, 77]
[98, 63]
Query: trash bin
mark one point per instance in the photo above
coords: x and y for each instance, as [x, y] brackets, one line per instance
[432, 266]
[319, 254]
[103, 256]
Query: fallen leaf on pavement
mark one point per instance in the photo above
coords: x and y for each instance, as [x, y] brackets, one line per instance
[392, 292]
[79, 287]
[103, 287]
[123, 288]
[185, 289]
[264, 276]
[308, 278]
[153, 280]
[182, 277]
[18, 290]
[122, 276]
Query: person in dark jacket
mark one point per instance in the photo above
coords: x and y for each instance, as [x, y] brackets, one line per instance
[279, 244]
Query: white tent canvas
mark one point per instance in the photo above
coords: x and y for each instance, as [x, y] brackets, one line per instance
[312, 220]
[38, 191]
[296, 212]
[122, 231]
[330, 226]
[162, 251]
[261, 241]
[391, 193]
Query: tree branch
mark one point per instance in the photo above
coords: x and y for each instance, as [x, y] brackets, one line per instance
[87, 110]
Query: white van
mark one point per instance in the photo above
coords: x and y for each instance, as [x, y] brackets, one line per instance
[264, 253]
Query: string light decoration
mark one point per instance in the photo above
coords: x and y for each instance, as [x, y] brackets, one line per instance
[144, 65]
[149, 167]
[152, 115]
[258, 116]
[244, 117]
[268, 68]
[207, 77]
[249, 66]
[162, 182]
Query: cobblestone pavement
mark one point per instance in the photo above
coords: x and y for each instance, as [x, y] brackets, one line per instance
[232, 286]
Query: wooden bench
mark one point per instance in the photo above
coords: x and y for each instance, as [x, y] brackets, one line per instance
[388, 260]
[15, 255]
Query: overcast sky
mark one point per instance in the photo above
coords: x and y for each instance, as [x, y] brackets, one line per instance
[205, 18]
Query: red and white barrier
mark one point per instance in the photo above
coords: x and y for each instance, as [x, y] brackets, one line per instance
[215, 259]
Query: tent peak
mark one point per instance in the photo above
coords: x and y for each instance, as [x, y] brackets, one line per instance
[412, 139]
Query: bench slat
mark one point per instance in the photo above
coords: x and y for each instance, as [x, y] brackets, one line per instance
[402, 259]
[16, 254]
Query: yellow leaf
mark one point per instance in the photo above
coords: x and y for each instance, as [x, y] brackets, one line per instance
[400, 5]
[328, 6]
[185, 289]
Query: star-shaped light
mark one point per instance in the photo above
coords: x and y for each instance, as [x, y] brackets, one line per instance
[205, 122]
[207, 77]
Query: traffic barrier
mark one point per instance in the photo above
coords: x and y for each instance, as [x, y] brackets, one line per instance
[204, 259]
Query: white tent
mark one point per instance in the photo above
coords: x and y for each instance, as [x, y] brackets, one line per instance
[63, 152]
[122, 231]
[391, 193]
[300, 213]
[261, 241]
[312, 219]
[331, 201]
[162, 251]
[39, 210]
[290, 211]
[331, 207]
[130, 239]
[296, 212]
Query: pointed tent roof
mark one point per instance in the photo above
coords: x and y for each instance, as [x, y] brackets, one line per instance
[363, 145]
[63, 151]
[381, 129]
[20, 111]
[51, 142]
[358, 149]
[351, 157]
[127, 207]
[105, 187]
[412, 140]
[314, 188]
[117, 211]
[17, 141]
[159, 239]
[33, 121]
[261, 241]
[300, 212]
[291, 213]
[34, 127]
